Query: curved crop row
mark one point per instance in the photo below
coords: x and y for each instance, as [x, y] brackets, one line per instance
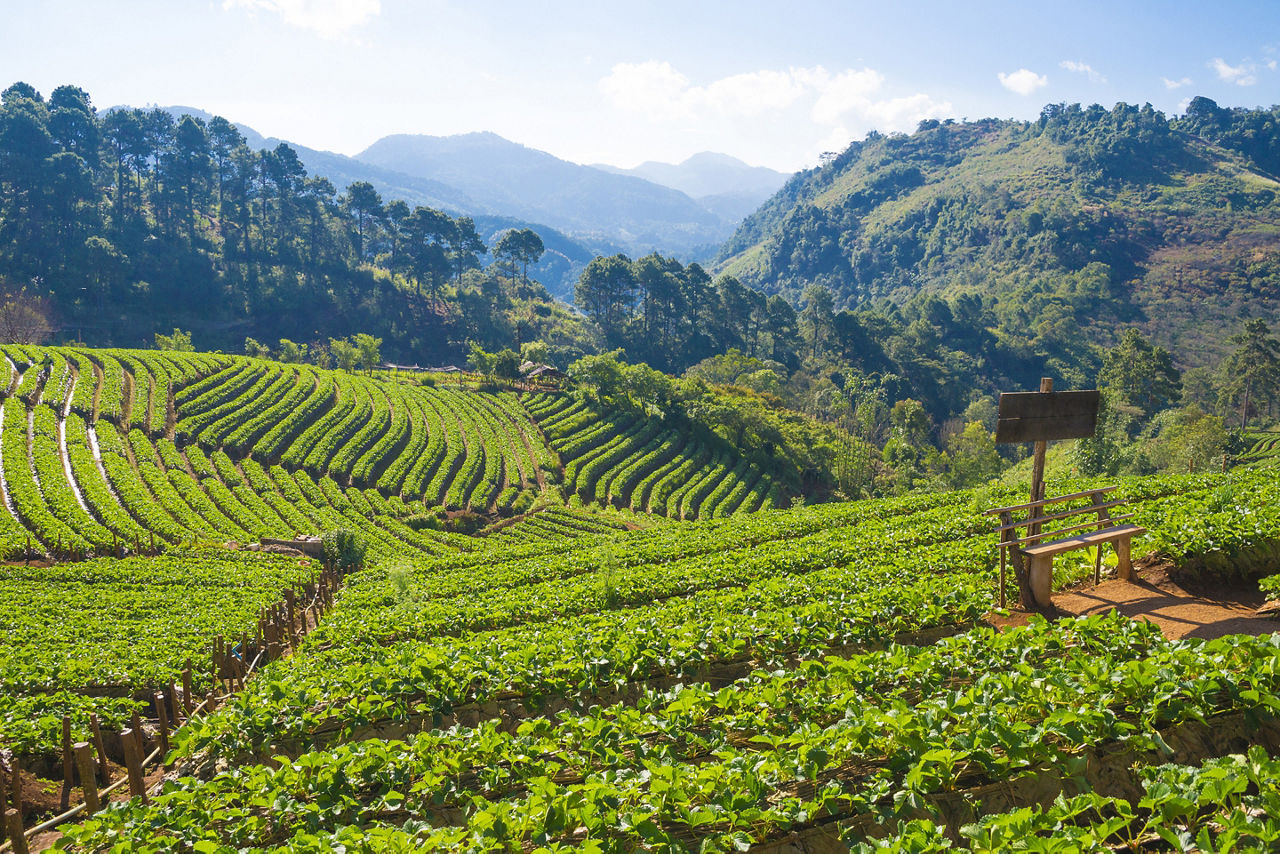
[131, 490]
[397, 471]
[23, 490]
[257, 412]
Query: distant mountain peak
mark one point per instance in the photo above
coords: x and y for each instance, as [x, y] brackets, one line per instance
[712, 175]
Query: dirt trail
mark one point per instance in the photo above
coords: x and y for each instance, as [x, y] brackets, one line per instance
[1179, 609]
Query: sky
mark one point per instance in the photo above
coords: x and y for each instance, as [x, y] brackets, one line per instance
[773, 83]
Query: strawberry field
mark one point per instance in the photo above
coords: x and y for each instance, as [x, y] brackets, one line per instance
[579, 672]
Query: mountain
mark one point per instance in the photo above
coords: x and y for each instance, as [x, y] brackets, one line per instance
[559, 267]
[504, 177]
[1049, 233]
[707, 174]
[722, 184]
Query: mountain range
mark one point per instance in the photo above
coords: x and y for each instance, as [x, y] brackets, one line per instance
[685, 210]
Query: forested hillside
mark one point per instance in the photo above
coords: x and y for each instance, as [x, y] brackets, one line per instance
[1030, 231]
[130, 222]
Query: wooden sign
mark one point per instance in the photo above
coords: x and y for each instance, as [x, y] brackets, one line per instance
[1034, 416]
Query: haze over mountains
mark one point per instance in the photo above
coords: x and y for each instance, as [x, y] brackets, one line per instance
[687, 209]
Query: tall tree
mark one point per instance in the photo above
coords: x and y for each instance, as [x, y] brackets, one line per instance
[1139, 376]
[364, 204]
[605, 291]
[1253, 370]
[520, 246]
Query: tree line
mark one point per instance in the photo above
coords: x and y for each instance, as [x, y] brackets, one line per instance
[132, 220]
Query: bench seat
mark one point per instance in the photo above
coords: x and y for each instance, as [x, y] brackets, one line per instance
[1066, 544]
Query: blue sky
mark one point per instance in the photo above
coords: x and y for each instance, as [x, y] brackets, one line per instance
[774, 83]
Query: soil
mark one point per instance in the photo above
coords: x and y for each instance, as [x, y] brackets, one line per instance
[1181, 608]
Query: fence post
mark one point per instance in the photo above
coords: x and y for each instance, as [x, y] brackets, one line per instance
[96, 729]
[88, 781]
[13, 824]
[68, 763]
[133, 763]
[162, 714]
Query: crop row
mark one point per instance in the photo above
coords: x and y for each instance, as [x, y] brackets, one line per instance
[698, 768]
[94, 635]
[633, 461]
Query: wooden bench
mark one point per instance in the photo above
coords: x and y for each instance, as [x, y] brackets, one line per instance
[1032, 554]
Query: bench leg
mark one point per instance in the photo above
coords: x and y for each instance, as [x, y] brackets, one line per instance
[1124, 566]
[1041, 577]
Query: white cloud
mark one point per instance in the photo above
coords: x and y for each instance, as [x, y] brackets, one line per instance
[653, 88]
[849, 91]
[752, 93]
[1023, 81]
[843, 100]
[1082, 68]
[1241, 75]
[327, 18]
[1176, 84]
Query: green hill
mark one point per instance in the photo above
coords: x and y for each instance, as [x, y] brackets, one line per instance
[1086, 219]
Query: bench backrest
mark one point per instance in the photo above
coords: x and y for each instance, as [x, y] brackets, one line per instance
[1042, 513]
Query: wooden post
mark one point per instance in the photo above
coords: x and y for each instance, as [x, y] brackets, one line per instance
[15, 782]
[96, 729]
[133, 763]
[68, 764]
[88, 781]
[13, 824]
[186, 689]
[1037, 469]
[1002, 573]
[163, 715]
[4, 804]
[175, 708]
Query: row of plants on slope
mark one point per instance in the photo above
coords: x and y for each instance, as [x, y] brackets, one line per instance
[705, 769]
[1229, 803]
[130, 388]
[412, 645]
[448, 447]
[72, 489]
[638, 461]
[98, 636]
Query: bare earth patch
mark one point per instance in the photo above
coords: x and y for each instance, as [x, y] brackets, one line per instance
[1180, 609]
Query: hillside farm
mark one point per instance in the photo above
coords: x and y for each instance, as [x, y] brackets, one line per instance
[634, 649]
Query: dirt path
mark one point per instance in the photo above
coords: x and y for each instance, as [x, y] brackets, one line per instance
[1180, 611]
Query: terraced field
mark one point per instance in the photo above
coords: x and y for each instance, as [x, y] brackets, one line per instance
[638, 462]
[726, 684]
[583, 674]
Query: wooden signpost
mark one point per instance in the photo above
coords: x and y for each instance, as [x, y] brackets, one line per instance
[1045, 416]
[1042, 417]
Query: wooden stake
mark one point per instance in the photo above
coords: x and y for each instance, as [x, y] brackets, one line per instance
[163, 715]
[186, 689]
[133, 763]
[138, 741]
[68, 763]
[175, 709]
[13, 823]
[96, 729]
[15, 781]
[88, 781]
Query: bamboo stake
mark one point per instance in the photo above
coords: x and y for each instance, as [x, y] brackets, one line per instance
[13, 823]
[186, 689]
